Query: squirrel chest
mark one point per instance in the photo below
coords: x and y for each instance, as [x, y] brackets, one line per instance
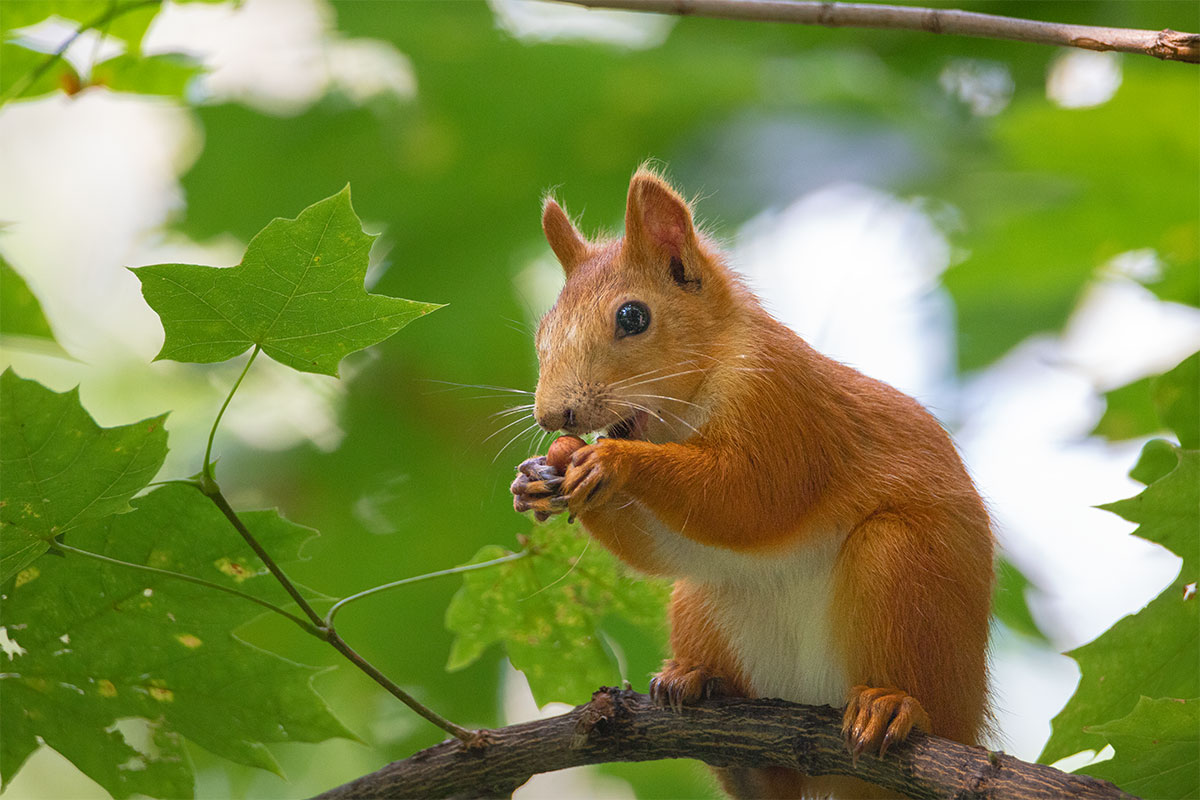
[772, 610]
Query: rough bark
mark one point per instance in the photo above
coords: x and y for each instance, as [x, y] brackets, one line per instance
[621, 725]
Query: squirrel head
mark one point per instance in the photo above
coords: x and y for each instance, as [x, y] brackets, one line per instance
[628, 345]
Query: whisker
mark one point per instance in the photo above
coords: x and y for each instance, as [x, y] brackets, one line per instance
[660, 419]
[650, 411]
[665, 377]
[513, 410]
[651, 372]
[693, 428]
[665, 397]
[516, 421]
[520, 433]
[452, 386]
[586, 544]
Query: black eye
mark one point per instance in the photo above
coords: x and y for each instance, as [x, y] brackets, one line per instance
[632, 318]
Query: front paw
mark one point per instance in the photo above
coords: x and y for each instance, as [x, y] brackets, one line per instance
[593, 477]
[537, 489]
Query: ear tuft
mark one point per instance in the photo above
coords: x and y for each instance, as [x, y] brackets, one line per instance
[657, 217]
[568, 244]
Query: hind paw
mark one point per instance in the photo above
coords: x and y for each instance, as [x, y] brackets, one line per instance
[876, 719]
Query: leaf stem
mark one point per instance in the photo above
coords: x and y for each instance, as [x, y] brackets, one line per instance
[28, 79]
[418, 578]
[307, 626]
[207, 471]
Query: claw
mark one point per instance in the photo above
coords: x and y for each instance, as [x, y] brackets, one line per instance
[875, 719]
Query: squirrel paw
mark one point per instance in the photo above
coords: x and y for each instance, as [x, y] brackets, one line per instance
[683, 683]
[592, 478]
[875, 719]
[536, 489]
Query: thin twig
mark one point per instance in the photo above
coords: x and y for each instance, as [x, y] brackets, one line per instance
[340, 645]
[24, 82]
[308, 627]
[1167, 44]
[418, 578]
[213, 492]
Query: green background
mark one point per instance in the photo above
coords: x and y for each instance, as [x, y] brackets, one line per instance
[454, 178]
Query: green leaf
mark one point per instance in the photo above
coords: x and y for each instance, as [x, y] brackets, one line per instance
[1129, 412]
[20, 312]
[1009, 603]
[1158, 458]
[61, 470]
[548, 611]
[20, 62]
[1168, 401]
[166, 74]
[298, 294]
[1118, 667]
[1168, 511]
[127, 20]
[1177, 398]
[104, 642]
[1157, 749]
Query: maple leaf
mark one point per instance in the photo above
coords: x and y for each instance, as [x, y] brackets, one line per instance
[298, 294]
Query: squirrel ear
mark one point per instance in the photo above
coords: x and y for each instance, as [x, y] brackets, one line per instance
[657, 217]
[568, 244]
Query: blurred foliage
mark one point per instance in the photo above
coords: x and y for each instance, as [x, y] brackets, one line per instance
[1009, 603]
[1035, 198]
[20, 312]
[29, 72]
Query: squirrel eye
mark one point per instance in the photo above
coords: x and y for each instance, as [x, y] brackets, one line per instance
[632, 318]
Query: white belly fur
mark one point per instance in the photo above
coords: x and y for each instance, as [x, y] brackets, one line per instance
[773, 609]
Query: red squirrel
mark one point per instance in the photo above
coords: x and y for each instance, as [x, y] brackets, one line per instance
[827, 544]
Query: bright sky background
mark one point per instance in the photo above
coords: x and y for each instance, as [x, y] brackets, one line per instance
[852, 268]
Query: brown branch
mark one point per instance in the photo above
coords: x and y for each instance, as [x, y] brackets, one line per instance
[620, 725]
[1166, 44]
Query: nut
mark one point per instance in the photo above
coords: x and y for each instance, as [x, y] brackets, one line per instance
[559, 455]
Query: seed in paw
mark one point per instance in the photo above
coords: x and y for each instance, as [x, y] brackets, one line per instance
[559, 455]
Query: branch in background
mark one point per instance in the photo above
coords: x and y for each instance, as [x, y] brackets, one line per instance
[620, 725]
[1166, 44]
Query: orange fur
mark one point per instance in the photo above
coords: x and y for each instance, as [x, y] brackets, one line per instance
[756, 460]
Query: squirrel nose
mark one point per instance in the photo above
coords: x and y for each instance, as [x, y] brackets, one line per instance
[553, 421]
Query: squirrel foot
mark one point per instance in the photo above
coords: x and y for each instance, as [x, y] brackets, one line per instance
[682, 683]
[875, 719]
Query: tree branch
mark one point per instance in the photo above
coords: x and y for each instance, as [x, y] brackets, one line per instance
[621, 725]
[1166, 44]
